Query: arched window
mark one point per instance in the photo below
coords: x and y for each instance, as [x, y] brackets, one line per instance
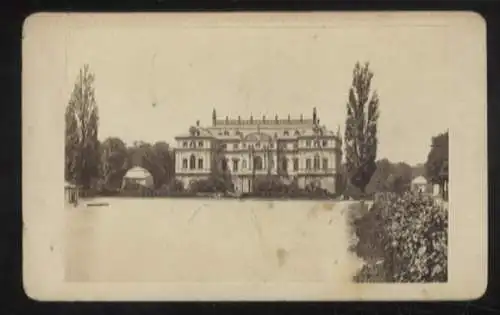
[191, 144]
[184, 163]
[308, 164]
[192, 162]
[257, 163]
[297, 133]
[316, 162]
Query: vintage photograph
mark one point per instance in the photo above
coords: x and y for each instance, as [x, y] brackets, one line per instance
[261, 148]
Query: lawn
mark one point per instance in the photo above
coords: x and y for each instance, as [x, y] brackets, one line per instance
[204, 240]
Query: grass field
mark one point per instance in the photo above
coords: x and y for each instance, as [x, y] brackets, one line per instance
[203, 240]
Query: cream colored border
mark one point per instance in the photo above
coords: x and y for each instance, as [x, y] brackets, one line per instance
[43, 171]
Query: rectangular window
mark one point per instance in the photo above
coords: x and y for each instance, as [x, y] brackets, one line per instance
[184, 163]
[185, 144]
[295, 164]
[308, 143]
[200, 144]
[200, 163]
[308, 164]
[316, 163]
[325, 143]
[235, 165]
[236, 146]
[244, 164]
[325, 164]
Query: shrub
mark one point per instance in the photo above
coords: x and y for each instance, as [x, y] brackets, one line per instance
[408, 233]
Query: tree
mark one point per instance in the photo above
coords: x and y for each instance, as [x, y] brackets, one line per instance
[403, 176]
[71, 146]
[165, 160]
[113, 162]
[360, 136]
[220, 173]
[158, 159]
[436, 166]
[82, 119]
[379, 181]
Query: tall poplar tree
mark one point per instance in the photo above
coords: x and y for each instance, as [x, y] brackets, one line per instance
[82, 120]
[360, 136]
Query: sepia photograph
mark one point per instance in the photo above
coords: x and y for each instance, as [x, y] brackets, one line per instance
[254, 156]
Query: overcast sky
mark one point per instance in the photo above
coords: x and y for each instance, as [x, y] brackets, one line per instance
[261, 69]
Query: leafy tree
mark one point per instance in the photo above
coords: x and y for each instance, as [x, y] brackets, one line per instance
[220, 172]
[158, 159]
[82, 119]
[403, 177]
[436, 166]
[165, 161]
[71, 146]
[361, 128]
[380, 179]
[113, 162]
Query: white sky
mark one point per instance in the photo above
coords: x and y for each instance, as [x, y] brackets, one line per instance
[246, 69]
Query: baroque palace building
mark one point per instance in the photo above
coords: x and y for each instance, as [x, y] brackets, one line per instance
[295, 149]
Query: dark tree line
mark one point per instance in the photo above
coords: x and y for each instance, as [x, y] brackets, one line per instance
[388, 177]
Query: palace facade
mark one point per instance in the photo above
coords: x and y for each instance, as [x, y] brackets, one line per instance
[295, 149]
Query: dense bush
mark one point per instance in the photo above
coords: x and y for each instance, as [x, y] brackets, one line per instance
[407, 236]
[211, 184]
